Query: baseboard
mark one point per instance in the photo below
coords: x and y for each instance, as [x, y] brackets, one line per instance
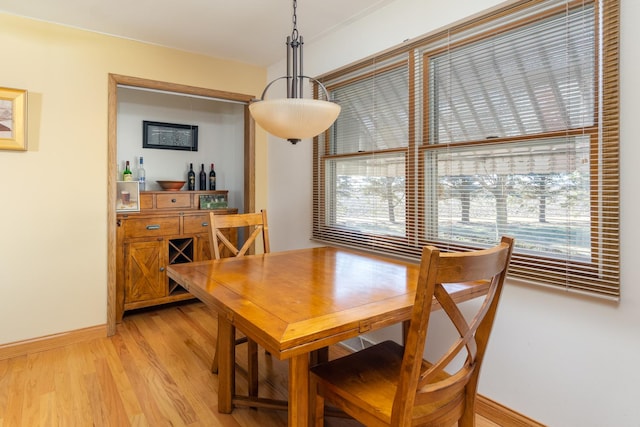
[49, 342]
[501, 415]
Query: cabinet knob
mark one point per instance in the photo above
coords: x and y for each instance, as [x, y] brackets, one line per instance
[205, 224]
[153, 227]
[173, 200]
[161, 268]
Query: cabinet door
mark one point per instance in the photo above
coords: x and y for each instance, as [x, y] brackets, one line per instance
[145, 277]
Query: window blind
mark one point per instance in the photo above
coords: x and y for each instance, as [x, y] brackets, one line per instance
[504, 124]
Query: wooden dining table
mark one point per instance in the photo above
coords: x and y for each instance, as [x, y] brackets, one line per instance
[297, 302]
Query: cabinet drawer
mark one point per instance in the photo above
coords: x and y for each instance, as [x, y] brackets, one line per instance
[146, 201]
[150, 227]
[171, 201]
[196, 224]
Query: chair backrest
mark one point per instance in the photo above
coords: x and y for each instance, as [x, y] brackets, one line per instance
[424, 383]
[255, 222]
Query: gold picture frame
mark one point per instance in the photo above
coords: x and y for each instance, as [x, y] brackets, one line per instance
[13, 119]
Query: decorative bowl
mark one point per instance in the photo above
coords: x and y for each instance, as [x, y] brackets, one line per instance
[171, 185]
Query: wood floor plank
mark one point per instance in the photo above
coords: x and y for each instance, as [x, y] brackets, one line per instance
[185, 364]
[5, 378]
[15, 391]
[151, 384]
[134, 365]
[157, 347]
[111, 364]
[70, 388]
[98, 410]
[35, 371]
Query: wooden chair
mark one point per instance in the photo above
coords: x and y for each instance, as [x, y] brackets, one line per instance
[391, 385]
[256, 225]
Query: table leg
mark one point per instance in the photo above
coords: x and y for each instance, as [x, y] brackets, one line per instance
[226, 364]
[299, 390]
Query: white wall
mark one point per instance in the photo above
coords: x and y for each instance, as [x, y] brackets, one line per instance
[562, 359]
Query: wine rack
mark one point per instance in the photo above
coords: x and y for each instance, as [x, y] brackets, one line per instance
[180, 251]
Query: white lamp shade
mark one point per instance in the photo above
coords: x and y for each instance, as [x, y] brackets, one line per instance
[294, 118]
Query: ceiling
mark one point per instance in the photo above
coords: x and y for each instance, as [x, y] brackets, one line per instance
[249, 31]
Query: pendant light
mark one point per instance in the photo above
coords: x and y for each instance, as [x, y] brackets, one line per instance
[294, 118]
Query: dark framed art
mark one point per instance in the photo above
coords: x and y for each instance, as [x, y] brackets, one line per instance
[169, 136]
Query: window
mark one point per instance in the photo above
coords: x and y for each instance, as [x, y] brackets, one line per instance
[506, 124]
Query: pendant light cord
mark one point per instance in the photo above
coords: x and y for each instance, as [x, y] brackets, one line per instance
[294, 32]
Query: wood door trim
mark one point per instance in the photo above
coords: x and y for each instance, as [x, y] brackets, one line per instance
[116, 80]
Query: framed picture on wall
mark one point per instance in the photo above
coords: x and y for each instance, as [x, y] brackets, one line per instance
[169, 136]
[13, 119]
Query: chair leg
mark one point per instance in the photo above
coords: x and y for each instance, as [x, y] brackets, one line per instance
[317, 407]
[214, 365]
[468, 418]
[318, 356]
[252, 367]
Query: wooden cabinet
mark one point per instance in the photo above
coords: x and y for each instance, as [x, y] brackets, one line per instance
[169, 229]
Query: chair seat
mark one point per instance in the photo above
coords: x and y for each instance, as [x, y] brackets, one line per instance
[372, 382]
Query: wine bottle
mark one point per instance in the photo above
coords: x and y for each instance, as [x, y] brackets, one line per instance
[126, 175]
[203, 178]
[212, 178]
[142, 176]
[191, 184]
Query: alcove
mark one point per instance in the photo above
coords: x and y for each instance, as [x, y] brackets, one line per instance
[134, 97]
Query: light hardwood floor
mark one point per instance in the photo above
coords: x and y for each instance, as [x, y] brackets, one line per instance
[153, 372]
